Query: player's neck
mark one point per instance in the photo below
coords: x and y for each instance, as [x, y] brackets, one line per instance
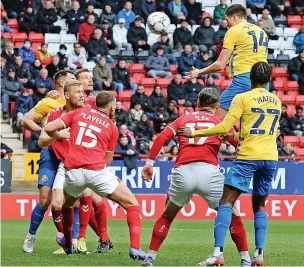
[208, 110]
[60, 90]
[240, 21]
[69, 107]
[102, 110]
[87, 93]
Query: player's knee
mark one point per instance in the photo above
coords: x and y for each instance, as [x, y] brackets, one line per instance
[44, 202]
[258, 203]
[56, 204]
[129, 203]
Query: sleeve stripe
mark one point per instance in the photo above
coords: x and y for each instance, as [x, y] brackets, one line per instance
[63, 123]
[172, 130]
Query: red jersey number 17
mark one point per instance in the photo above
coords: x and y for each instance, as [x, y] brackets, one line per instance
[87, 131]
[198, 125]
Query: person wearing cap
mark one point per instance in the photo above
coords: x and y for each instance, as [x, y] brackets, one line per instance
[127, 14]
[108, 15]
[158, 65]
[102, 75]
[86, 29]
[11, 87]
[107, 34]
[182, 36]
[120, 36]
[177, 11]
[75, 17]
[294, 66]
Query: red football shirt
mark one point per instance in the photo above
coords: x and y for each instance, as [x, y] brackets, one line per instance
[203, 149]
[90, 100]
[93, 133]
[61, 146]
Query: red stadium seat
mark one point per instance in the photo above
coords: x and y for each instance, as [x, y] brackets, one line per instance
[278, 85]
[201, 81]
[217, 82]
[135, 79]
[300, 100]
[279, 72]
[182, 109]
[164, 82]
[291, 86]
[280, 93]
[288, 99]
[291, 110]
[165, 92]
[7, 36]
[225, 84]
[148, 91]
[12, 107]
[294, 140]
[173, 69]
[12, 23]
[295, 93]
[302, 141]
[294, 20]
[148, 82]
[36, 37]
[114, 93]
[126, 105]
[137, 68]
[26, 134]
[36, 46]
[18, 44]
[300, 152]
[125, 95]
[19, 37]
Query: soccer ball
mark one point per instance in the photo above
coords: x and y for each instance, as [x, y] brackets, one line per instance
[158, 22]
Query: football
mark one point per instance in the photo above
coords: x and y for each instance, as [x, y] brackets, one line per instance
[158, 22]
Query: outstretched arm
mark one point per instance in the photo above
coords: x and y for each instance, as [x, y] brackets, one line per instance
[53, 127]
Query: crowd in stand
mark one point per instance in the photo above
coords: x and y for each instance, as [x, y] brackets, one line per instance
[26, 76]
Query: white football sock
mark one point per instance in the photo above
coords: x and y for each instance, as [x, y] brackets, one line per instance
[245, 255]
[258, 252]
[152, 254]
[217, 251]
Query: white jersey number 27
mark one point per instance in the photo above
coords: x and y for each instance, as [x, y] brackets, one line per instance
[197, 126]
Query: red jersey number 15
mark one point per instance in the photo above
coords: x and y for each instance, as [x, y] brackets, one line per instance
[87, 131]
[197, 126]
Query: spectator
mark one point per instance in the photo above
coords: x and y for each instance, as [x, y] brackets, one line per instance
[121, 116]
[75, 17]
[194, 12]
[65, 6]
[144, 129]
[157, 99]
[147, 7]
[269, 26]
[35, 70]
[5, 150]
[297, 122]
[120, 35]
[33, 143]
[278, 7]
[102, 75]
[141, 98]
[14, 7]
[23, 72]
[161, 120]
[231, 152]
[204, 36]
[123, 131]
[177, 11]
[3, 68]
[121, 77]
[158, 65]
[28, 21]
[127, 14]
[177, 92]
[298, 40]
[221, 32]
[107, 34]
[193, 88]
[182, 36]
[24, 103]
[294, 66]
[219, 12]
[172, 111]
[97, 47]
[280, 140]
[4, 20]
[287, 151]
[186, 61]
[90, 11]
[43, 55]
[298, 6]
[10, 53]
[27, 53]
[11, 87]
[223, 152]
[54, 66]
[46, 17]
[77, 58]
[43, 85]
[256, 6]
[301, 79]
[62, 54]
[284, 122]
[127, 152]
[250, 18]
[173, 153]
[202, 62]
[86, 29]
[108, 15]
[134, 116]
[165, 44]
[137, 36]
[211, 83]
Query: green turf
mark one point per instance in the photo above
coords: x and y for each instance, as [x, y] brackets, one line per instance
[188, 243]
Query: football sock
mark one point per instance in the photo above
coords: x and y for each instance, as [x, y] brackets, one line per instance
[68, 221]
[93, 223]
[102, 220]
[160, 232]
[152, 253]
[85, 209]
[221, 226]
[57, 219]
[239, 236]
[36, 219]
[76, 224]
[134, 223]
[260, 227]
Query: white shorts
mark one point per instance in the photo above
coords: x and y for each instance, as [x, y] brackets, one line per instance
[102, 182]
[196, 178]
[60, 177]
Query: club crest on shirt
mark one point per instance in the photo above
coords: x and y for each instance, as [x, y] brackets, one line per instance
[44, 178]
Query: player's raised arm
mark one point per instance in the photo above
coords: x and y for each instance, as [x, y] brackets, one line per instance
[30, 120]
[53, 127]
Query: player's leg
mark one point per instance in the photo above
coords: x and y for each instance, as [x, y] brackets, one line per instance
[76, 227]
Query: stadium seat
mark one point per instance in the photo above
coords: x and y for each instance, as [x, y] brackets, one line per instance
[300, 100]
[98, 11]
[52, 38]
[19, 37]
[271, 60]
[36, 37]
[300, 152]
[12, 23]
[287, 45]
[89, 65]
[291, 110]
[36, 46]
[294, 140]
[280, 21]
[296, 26]
[194, 27]
[173, 69]
[280, 93]
[278, 85]
[26, 134]
[126, 105]
[152, 39]
[135, 80]
[200, 81]
[189, 27]
[148, 82]
[206, 3]
[225, 84]
[274, 44]
[137, 68]
[7, 36]
[288, 99]
[53, 48]
[12, 106]
[294, 93]
[279, 31]
[217, 82]
[290, 53]
[290, 32]
[291, 86]
[18, 44]
[149, 90]
[171, 28]
[182, 109]
[164, 82]
[302, 141]
[209, 11]
[62, 23]
[215, 27]
[68, 39]
[279, 72]
[125, 95]
[283, 60]
[294, 20]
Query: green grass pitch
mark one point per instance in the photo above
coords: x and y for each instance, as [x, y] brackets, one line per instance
[188, 243]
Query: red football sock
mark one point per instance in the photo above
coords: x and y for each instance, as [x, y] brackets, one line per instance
[57, 219]
[93, 223]
[238, 233]
[160, 232]
[68, 220]
[134, 223]
[102, 220]
[85, 209]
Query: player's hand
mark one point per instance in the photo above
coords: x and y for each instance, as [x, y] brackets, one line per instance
[64, 134]
[194, 73]
[184, 132]
[147, 173]
[227, 137]
[53, 94]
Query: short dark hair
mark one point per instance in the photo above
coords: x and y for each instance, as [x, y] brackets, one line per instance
[76, 44]
[299, 108]
[77, 73]
[208, 97]
[284, 105]
[104, 98]
[260, 74]
[60, 74]
[236, 9]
